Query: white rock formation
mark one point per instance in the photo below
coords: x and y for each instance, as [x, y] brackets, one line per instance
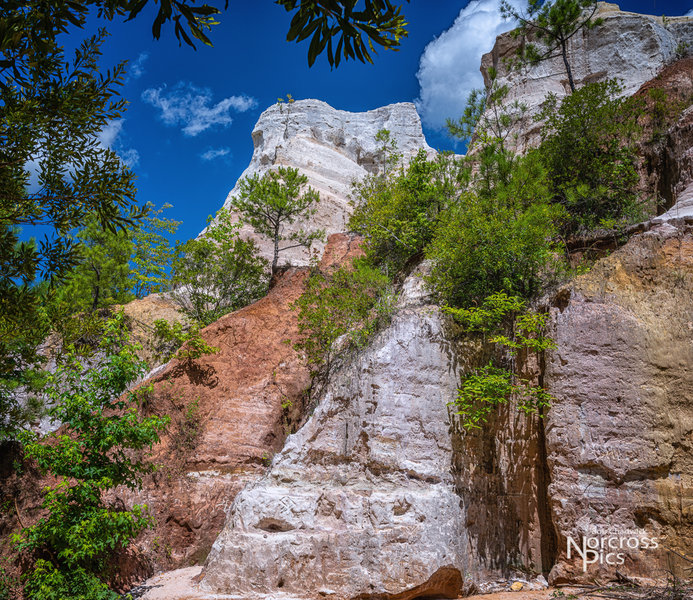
[628, 46]
[361, 500]
[332, 148]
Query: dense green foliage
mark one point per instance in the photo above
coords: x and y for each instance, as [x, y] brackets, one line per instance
[354, 301]
[482, 390]
[500, 240]
[397, 211]
[50, 115]
[275, 200]
[218, 272]
[589, 148]
[552, 24]
[90, 454]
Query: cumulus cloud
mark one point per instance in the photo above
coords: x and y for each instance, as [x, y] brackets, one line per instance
[449, 65]
[136, 69]
[689, 13]
[193, 109]
[213, 153]
[109, 138]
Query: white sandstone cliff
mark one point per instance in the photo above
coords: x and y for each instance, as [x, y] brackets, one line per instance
[333, 148]
[628, 46]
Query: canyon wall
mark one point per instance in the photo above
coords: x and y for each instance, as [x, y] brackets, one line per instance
[630, 47]
[381, 493]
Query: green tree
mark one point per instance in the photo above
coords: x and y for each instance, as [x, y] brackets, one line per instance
[486, 123]
[153, 254]
[397, 211]
[98, 448]
[553, 23]
[488, 243]
[589, 148]
[102, 275]
[218, 272]
[275, 200]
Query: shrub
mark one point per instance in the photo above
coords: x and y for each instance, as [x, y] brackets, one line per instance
[483, 246]
[397, 212]
[93, 452]
[589, 148]
[172, 339]
[218, 273]
[354, 301]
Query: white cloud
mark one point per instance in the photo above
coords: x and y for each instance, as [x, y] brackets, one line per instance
[449, 65]
[136, 67]
[192, 107]
[108, 138]
[689, 13]
[110, 133]
[213, 153]
[130, 157]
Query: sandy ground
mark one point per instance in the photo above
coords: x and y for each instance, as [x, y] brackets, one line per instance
[182, 585]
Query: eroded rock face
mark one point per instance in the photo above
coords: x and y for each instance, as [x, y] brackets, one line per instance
[361, 501]
[332, 148]
[230, 412]
[619, 436]
[627, 46]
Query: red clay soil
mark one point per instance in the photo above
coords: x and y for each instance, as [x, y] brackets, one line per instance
[230, 412]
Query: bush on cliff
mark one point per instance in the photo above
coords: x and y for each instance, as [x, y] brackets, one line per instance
[589, 148]
[354, 301]
[501, 241]
[218, 273]
[397, 211]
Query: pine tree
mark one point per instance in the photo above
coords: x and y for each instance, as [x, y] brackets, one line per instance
[553, 24]
[277, 199]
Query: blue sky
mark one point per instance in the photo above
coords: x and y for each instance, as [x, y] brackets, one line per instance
[187, 128]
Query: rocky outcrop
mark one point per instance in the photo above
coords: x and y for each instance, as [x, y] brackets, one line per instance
[619, 437]
[230, 413]
[627, 46]
[142, 313]
[361, 501]
[333, 148]
[667, 140]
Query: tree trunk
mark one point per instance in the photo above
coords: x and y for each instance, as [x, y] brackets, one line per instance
[564, 53]
[276, 250]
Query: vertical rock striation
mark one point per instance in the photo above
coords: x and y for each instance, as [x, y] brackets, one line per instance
[619, 437]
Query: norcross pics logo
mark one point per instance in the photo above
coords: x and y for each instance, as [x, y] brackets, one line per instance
[609, 547]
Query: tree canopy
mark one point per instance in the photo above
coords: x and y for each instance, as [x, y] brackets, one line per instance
[277, 199]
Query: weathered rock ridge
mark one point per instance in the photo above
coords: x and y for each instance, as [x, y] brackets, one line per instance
[361, 501]
[380, 494]
[628, 46]
[619, 437]
[332, 148]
